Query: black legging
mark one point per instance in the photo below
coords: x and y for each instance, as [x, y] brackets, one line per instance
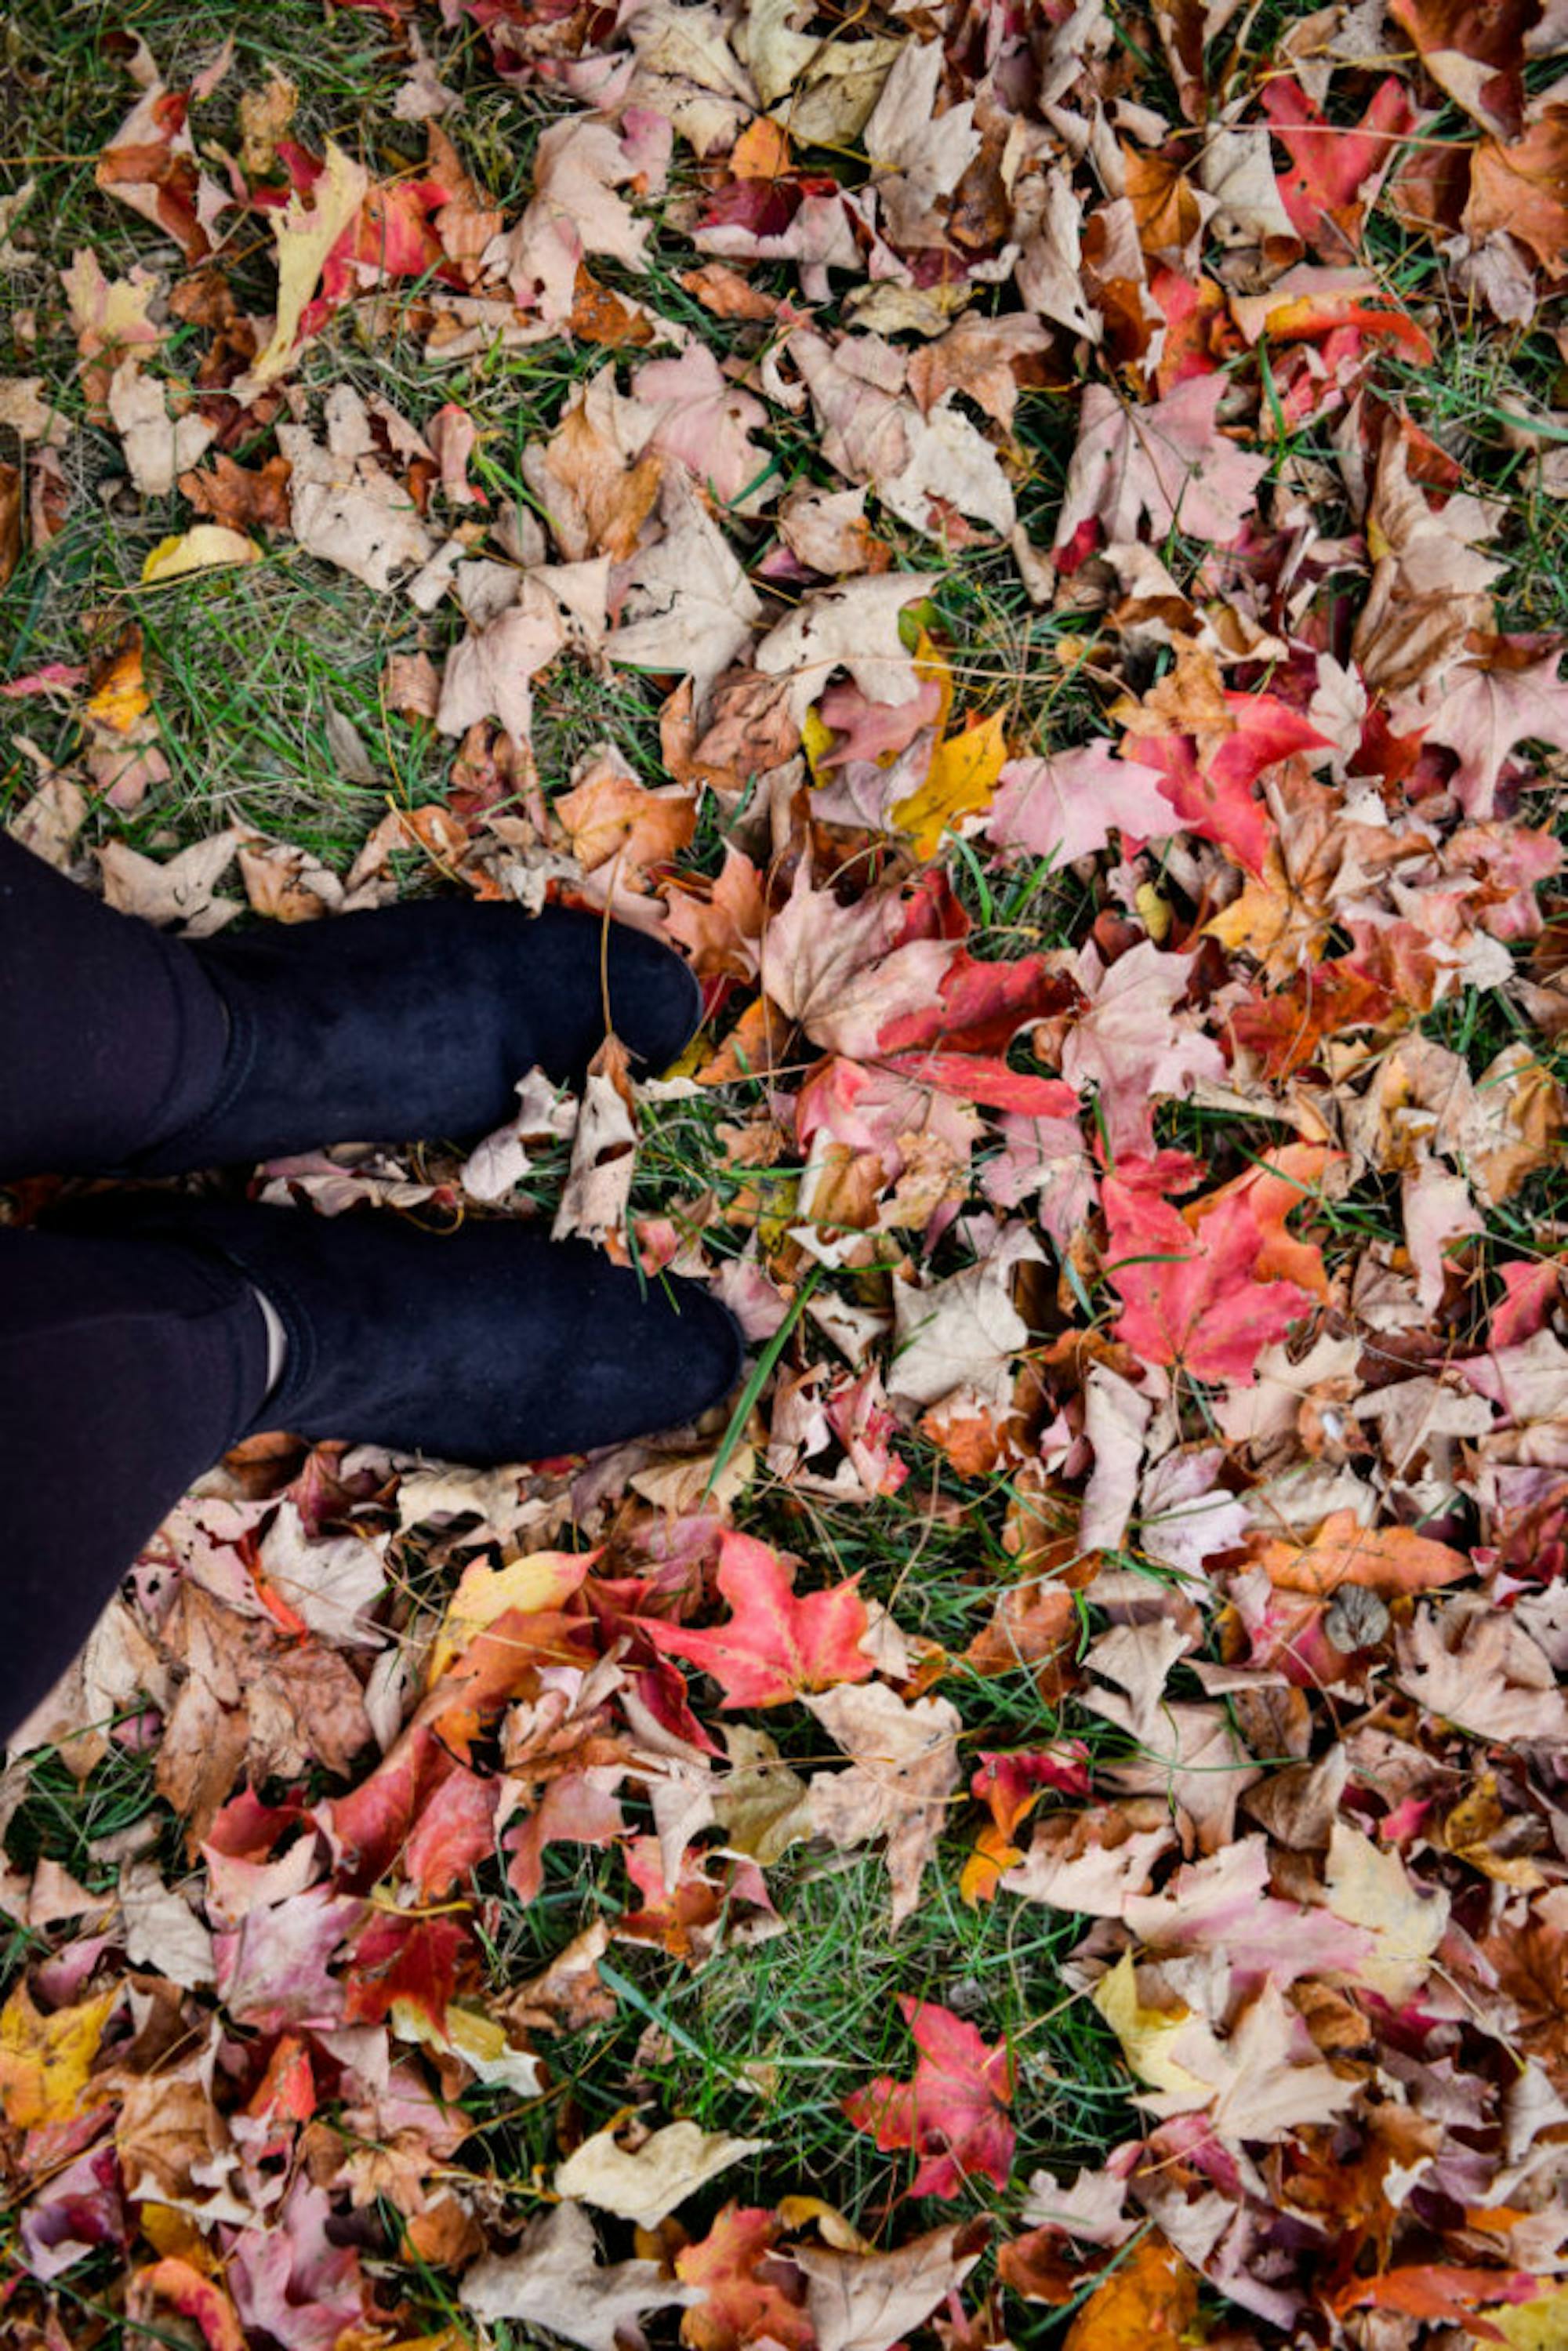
[116, 1389]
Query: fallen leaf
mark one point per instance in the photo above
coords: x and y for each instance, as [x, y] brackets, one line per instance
[905, 1770]
[953, 2114]
[46, 2057]
[205, 547]
[306, 234]
[870, 2301]
[1381, 1559]
[555, 2280]
[1167, 464]
[747, 2293]
[776, 1646]
[1150, 2298]
[647, 2184]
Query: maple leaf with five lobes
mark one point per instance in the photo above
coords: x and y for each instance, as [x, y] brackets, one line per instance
[954, 2114]
[1192, 1299]
[1130, 1042]
[776, 1644]
[1066, 805]
[1168, 463]
[1479, 714]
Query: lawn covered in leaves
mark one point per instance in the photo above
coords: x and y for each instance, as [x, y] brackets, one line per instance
[1027, 542]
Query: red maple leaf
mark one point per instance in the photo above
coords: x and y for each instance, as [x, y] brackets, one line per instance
[1191, 1298]
[1330, 163]
[409, 1958]
[454, 1831]
[953, 2113]
[776, 1645]
[1215, 798]
[979, 1007]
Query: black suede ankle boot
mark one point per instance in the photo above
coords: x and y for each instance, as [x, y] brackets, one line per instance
[124, 1049]
[487, 1344]
[417, 1020]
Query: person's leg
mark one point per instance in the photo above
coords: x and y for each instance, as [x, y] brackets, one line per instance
[124, 1373]
[112, 1037]
[122, 1049]
[134, 1351]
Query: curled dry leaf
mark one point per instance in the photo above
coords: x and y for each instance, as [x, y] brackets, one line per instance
[648, 2183]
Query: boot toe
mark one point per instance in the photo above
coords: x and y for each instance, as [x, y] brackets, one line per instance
[655, 1001]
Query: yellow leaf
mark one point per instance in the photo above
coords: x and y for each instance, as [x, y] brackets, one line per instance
[1145, 2034]
[930, 662]
[545, 1579]
[173, 2234]
[44, 2060]
[1538, 2325]
[961, 782]
[203, 548]
[817, 739]
[800, 2211]
[120, 696]
[306, 233]
[1153, 911]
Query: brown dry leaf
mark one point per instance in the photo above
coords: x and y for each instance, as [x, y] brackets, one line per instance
[579, 165]
[1523, 189]
[1260, 2082]
[595, 482]
[726, 292]
[166, 2127]
[288, 885]
[904, 1771]
[869, 2301]
[568, 1995]
[242, 498]
[156, 446]
[344, 505]
[10, 521]
[597, 1186]
[1093, 1861]
[1430, 587]
[1168, 463]
[491, 672]
[248, 1695]
[963, 1334]
[264, 116]
[608, 813]
[979, 357]
[181, 890]
[1372, 1888]
[690, 609]
[1471, 1664]
[853, 627]
[555, 2280]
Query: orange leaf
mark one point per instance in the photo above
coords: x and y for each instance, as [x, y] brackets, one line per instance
[1441, 2292]
[775, 1644]
[747, 2295]
[1148, 2301]
[1383, 1558]
[761, 152]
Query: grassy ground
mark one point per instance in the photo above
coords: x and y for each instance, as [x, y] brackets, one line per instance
[763, 2041]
